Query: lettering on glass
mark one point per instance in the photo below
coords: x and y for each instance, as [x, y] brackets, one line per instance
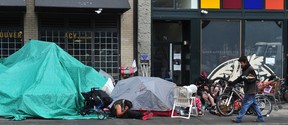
[76, 37]
[11, 35]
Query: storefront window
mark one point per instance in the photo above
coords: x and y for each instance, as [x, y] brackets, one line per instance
[11, 34]
[92, 40]
[179, 4]
[220, 42]
[232, 4]
[163, 3]
[100, 51]
[210, 4]
[106, 50]
[253, 4]
[10, 42]
[187, 4]
[264, 38]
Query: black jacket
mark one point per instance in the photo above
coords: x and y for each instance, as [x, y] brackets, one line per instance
[250, 86]
[200, 83]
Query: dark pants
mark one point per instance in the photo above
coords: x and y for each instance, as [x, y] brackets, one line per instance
[132, 114]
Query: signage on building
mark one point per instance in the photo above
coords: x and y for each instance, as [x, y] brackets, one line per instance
[70, 35]
[11, 35]
[144, 58]
[75, 36]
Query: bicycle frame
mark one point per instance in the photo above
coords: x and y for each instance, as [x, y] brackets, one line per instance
[237, 92]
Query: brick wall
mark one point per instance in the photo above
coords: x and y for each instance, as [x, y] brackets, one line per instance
[127, 36]
[144, 33]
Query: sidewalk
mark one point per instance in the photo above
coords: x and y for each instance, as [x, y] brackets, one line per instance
[284, 105]
[276, 118]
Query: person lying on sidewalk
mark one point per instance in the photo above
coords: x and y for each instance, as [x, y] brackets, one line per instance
[122, 109]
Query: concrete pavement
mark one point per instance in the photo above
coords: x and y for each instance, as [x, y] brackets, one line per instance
[279, 117]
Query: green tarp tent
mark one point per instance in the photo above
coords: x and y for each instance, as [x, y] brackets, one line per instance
[42, 80]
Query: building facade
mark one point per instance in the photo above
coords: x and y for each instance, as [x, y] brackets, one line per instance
[190, 36]
[171, 39]
[98, 33]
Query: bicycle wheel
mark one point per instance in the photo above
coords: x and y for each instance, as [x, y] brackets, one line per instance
[101, 114]
[285, 94]
[264, 105]
[225, 107]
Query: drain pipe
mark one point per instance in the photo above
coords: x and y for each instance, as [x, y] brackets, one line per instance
[135, 35]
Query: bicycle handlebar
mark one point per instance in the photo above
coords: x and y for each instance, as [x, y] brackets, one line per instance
[240, 85]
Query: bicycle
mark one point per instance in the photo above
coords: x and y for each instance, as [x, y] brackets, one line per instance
[283, 90]
[228, 102]
[285, 94]
[221, 83]
[274, 90]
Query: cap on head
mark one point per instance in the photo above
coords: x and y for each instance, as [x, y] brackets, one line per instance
[203, 74]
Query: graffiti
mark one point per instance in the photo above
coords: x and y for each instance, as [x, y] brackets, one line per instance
[231, 69]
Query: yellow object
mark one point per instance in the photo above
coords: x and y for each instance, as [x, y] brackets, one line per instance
[210, 4]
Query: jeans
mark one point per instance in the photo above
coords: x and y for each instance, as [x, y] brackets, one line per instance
[249, 100]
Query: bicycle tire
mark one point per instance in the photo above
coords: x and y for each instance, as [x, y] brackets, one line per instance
[285, 94]
[264, 105]
[223, 109]
[101, 114]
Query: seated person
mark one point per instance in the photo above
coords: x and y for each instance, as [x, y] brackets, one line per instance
[203, 90]
[122, 109]
[217, 87]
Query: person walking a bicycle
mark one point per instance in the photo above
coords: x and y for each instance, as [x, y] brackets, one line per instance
[249, 78]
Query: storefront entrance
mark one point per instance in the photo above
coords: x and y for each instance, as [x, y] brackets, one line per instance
[167, 62]
[170, 52]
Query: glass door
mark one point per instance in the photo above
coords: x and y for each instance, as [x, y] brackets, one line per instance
[160, 61]
[167, 62]
[176, 63]
[166, 57]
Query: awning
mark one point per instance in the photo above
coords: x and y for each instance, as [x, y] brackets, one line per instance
[106, 5]
[12, 5]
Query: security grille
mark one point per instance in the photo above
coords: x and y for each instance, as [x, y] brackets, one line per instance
[11, 34]
[10, 42]
[93, 40]
[107, 52]
[99, 49]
